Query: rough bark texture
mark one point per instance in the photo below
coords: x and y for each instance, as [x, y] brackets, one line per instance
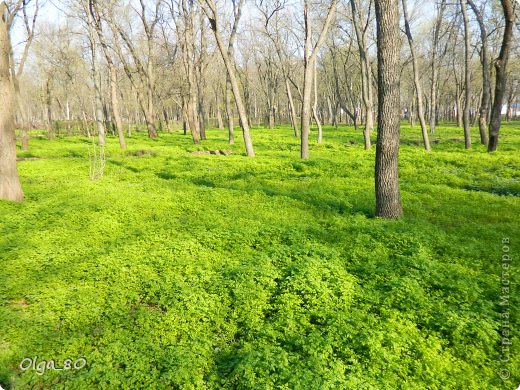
[388, 198]
[500, 67]
[10, 188]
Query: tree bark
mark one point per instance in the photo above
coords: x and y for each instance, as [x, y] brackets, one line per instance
[310, 53]
[416, 79]
[467, 81]
[435, 69]
[94, 11]
[10, 187]
[211, 12]
[388, 198]
[366, 83]
[501, 76]
[294, 118]
[484, 103]
[230, 113]
[315, 106]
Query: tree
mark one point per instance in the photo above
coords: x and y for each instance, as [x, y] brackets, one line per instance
[416, 78]
[17, 74]
[95, 17]
[210, 9]
[435, 65]
[10, 187]
[310, 53]
[139, 64]
[366, 70]
[484, 103]
[501, 75]
[388, 197]
[467, 81]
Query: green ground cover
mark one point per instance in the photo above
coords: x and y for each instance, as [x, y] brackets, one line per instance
[200, 271]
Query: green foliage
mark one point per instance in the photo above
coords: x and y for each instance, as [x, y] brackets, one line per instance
[188, 271]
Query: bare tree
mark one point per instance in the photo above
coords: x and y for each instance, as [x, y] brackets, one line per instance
[10, 187]
[416, 78]
[29, 25]
[139, 68]
[95, 15]
[501, 75]
[310, 53]
[435, 65]
[467, 80]
[484, 103]
[388, 198]
[361, 27]
[210, 9]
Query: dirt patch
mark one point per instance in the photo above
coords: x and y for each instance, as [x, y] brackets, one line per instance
[143, 153]
[215, 152]
[20, 303]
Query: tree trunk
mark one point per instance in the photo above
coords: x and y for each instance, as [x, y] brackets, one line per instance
[310, 52]
[484, 103]
[435, 69]
[501, 76]
[417, 81]
[388, 198]
[10, 188]
[315, 106]
[219, 112]
[366, 85]
[229, 113]
[467, 81]
[244, 122]
[294, 118]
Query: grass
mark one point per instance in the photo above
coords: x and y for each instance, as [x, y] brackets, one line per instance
[200, 271]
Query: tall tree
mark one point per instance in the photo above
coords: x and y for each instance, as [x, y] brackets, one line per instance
[501, 75]
[361, 28]
[210, 9]
[484, 102]
[310, 52]
[10, 187]
[95, 16]
[388, 197]
[435, 65]
[467, 80]
[416, 78]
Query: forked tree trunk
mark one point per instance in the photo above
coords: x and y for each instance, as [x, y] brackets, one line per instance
[500, 67]
[388, 198]
[10, 188]
[230, 67]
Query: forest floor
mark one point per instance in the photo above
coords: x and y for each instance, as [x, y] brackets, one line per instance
[177, 270]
